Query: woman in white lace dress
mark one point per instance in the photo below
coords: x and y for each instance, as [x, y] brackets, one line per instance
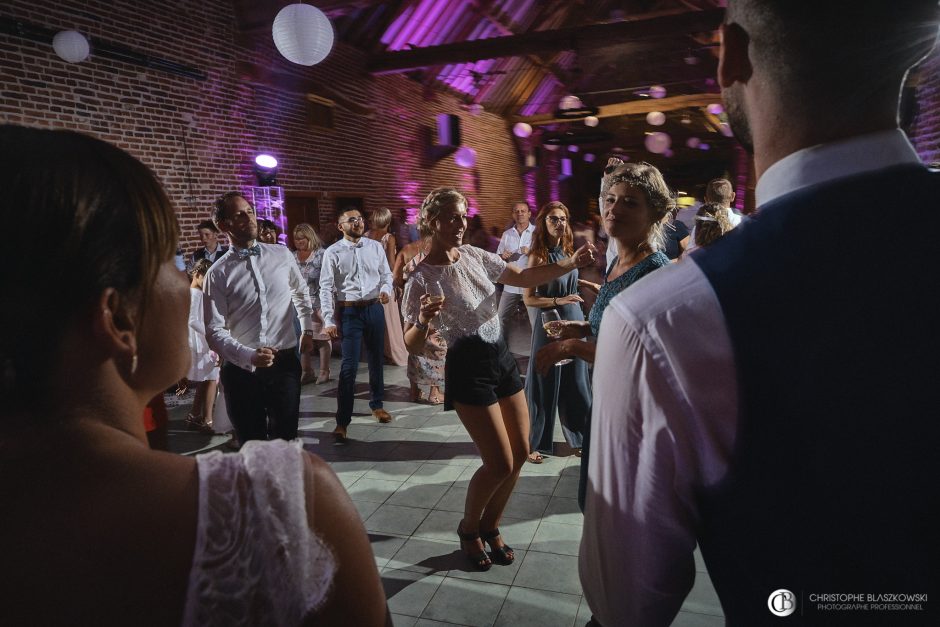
[309, 255]
[97, 529]
[482, 380]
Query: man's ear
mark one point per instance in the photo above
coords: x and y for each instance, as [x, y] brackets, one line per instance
[734, 64]
[114, 326]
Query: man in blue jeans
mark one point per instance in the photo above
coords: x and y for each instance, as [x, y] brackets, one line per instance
[355, 274]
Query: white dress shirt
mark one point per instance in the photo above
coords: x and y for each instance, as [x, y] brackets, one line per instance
[353, 271]
[252, 302]
[512, 241]
[665, 411]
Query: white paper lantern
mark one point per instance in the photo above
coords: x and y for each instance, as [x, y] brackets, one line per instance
[465, 157]
[693, 142]
[570, 102]
[655, 118]
[71, 46]
[591, 121]
[521, 129]
[657, 91]
[303, 34]
[658, 143]
[715, 109]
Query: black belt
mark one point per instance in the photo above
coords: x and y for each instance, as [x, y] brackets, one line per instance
[356, 303]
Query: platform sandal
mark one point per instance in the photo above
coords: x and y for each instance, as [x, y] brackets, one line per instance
[480, 560]
[502, 555]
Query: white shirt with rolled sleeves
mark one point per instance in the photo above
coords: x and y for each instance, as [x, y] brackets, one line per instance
[252, 302]
[352, 271]
[512, 241]
[665, 411]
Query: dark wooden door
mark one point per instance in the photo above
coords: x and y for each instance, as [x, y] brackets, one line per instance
[301, 208]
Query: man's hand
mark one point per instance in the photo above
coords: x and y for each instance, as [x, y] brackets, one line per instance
[331, 331]
[548, 356]
[263, 357]
[506, 255]
[523, 250]
[306, 343]
[383, 298]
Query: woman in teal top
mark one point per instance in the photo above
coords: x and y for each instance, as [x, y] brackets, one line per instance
[636, 205]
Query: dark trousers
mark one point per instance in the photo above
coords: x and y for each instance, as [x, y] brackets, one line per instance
[264, 404]
[360, 323]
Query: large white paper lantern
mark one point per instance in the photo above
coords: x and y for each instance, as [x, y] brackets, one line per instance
[658, 143]
[657, 91]
[656, 118]
[591, 121]
[465, 157]
[521, 129]
[303, 34]
[71, 46]
[570, 102]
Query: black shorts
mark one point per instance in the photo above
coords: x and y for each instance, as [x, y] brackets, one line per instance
[477, 372]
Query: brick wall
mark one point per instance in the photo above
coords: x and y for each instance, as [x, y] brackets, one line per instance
[925, 130]
[226, 120]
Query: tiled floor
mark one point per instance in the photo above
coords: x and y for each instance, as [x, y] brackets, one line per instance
[408, 480]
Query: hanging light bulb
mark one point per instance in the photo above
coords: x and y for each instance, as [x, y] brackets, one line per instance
[656, 118]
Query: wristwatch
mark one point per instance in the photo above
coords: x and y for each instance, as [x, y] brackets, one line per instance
[421, 325]
[309, 332]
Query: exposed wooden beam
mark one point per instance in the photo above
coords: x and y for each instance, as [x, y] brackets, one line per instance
[634, 107]
[268, 77]
[542, 42]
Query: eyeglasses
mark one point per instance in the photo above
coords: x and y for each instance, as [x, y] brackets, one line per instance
[557, 219]
[352, 221]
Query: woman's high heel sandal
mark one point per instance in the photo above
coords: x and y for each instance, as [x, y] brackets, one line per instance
[502, 555]
[480, 560]
[324, 377]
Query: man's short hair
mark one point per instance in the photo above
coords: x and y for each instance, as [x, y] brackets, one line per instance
[719, 191]
[208, 225]
[522, 202]
[221, 205]
[842, 48]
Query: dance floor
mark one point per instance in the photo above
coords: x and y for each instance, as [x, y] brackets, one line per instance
[408, 480]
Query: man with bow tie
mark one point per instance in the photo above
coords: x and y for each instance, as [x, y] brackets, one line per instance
[355, 272]
[253, 295]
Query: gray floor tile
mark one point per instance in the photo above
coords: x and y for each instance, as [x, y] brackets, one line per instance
[702, 597]
[556, 538]
[498, 573]
[518, 533]
[427, 622]
[526, 506]
[400, 620]
[567, 487]
[471, 602]
[546, 571]
[396, 519]
[432, 557]
[453, 500]
[414, 451]
[408, 592]
[393, 470]
[538, 607]
[536, 484]
[441, 474]
[376, 490]
[365, 508]
[418, 494]
[440, 525]
[564, 511]
[384, 546]
[550, 466]
[584, 614]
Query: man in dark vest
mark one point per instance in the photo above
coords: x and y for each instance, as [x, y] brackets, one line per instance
[772, 399]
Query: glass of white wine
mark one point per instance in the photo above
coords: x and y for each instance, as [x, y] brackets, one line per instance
[552, 323]
[436, 295]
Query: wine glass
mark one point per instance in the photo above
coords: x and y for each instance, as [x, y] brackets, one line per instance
[552, 323]
[436, 295]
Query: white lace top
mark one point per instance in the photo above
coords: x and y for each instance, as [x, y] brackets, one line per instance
[256, 562]
[470, 298]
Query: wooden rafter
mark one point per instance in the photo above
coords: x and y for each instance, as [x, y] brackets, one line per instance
[634, 107]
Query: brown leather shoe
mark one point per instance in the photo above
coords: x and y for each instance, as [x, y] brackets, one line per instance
[339, 436]
[381, 415]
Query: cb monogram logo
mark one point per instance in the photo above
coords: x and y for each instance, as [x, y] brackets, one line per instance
[781, 602]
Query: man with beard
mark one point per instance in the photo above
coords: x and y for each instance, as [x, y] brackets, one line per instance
[355, 273]
[253, 295]
[769, 399]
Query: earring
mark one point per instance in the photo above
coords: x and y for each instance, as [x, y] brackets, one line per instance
[134, 363]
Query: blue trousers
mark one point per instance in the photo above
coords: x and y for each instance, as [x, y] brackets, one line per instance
[360, 323]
